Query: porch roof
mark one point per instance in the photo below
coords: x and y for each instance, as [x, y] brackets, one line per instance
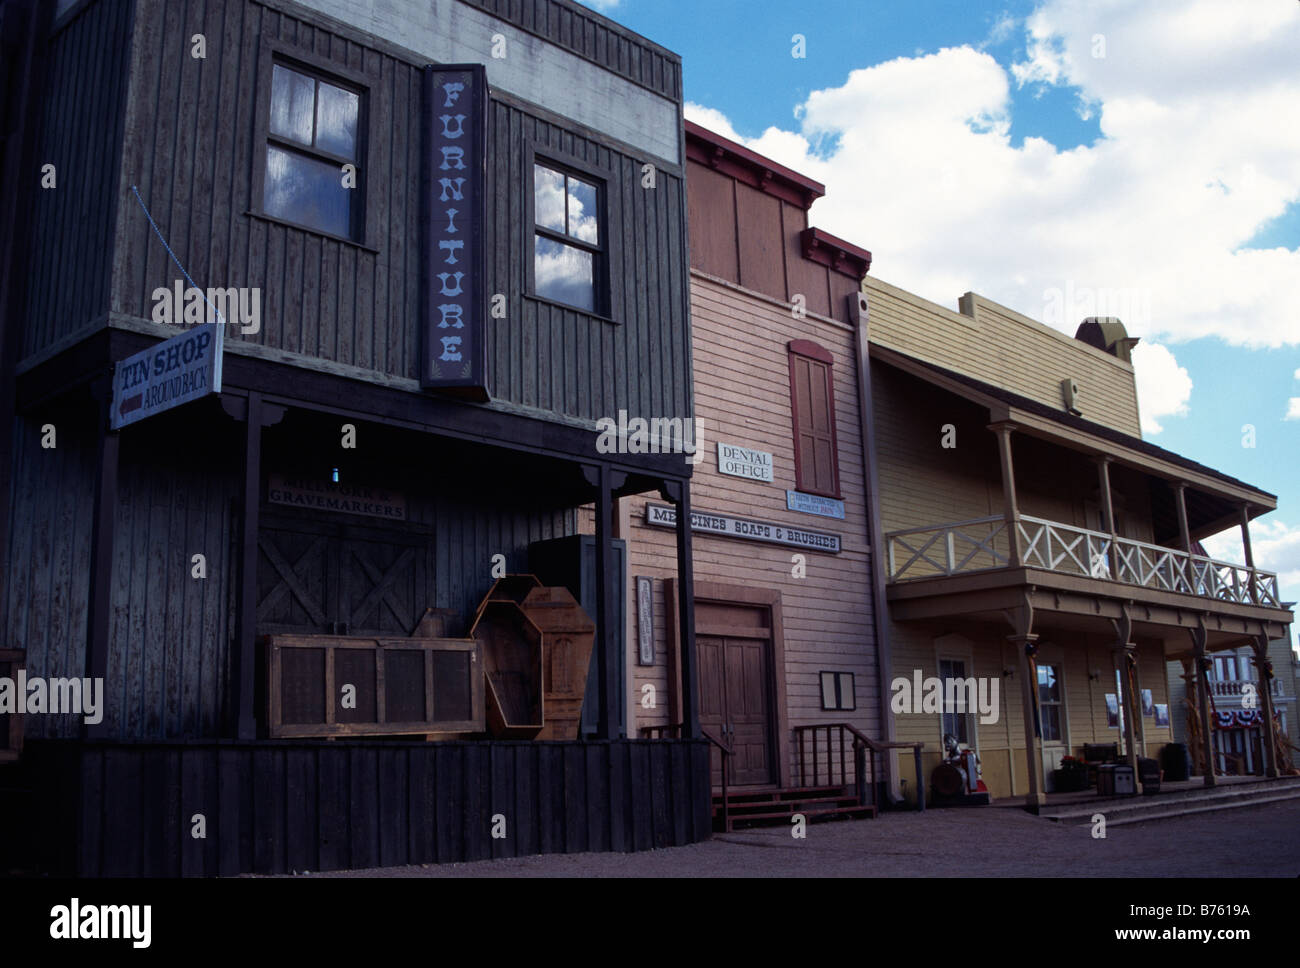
[1079, 433]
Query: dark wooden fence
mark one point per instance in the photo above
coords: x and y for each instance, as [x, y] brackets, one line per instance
[274, 807]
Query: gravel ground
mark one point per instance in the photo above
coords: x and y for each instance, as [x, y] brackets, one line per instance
[987, 842]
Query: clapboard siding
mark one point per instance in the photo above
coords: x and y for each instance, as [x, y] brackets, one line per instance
[1001, 347]
[742, 391]
[80, 133]
[288, 807]
[191, 145]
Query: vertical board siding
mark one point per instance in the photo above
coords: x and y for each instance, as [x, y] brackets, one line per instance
[46, 583]
[191, 145]
[79, 132]
[280, 808]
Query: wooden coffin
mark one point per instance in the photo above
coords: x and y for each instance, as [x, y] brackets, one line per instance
[567, 637]
[398, 686]
[511, 646]
[11, 724]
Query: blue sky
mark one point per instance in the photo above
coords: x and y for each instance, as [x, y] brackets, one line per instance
[1144, 151]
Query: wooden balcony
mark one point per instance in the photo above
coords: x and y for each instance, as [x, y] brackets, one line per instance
[981, 545]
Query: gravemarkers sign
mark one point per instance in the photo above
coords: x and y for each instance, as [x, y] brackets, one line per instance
[175, 371]
[316, 495]
[706, 522]
[452, 305]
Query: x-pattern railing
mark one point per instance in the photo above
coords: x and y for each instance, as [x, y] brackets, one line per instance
[935, 551]
[980, 544]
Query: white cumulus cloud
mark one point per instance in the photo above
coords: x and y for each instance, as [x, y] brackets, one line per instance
[1195, 156]
[1163, 387]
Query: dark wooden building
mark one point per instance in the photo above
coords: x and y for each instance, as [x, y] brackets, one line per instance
[440, 241]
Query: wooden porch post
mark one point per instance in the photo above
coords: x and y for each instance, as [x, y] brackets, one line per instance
[1124, 652]
[1028, 647]
[1199, 637]
[1245, 546]
[256, 414]
[1010, 510]
[1180, 502]
[98, 633]
[1021, 619]
[1108, 513]
[608, 635]
[679, 494]
[1139, 720]
[1265, 668]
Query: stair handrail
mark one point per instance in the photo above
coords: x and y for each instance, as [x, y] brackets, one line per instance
[862, 740]
[656, 732]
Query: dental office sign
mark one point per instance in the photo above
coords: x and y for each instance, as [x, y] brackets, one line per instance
[453, 308]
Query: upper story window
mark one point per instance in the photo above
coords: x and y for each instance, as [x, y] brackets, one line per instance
[313, 132]
[569, 238]
[812, 402]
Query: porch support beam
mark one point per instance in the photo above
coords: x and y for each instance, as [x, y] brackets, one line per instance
[103, 522]
[256, 414]
[1265, 668]
[1199, 636]
[1108, 512]
[1180, 503]
[1244, 510]
[609, 633]
[1125, 655]
[1021, 620]
[679, 493]
[1010, 509]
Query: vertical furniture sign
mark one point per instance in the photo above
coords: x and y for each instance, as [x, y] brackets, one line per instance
[453, 184]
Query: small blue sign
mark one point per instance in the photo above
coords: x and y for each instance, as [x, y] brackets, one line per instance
[827, 507]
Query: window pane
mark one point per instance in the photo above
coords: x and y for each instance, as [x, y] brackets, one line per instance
[564, 273]
[336, 121]
[548, 198]
[584, 222]
[1049, 686]
[306, 191]
[1051, 722]
[292, 101]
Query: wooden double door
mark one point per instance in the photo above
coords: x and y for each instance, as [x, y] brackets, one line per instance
[341, 578]
[734, 647]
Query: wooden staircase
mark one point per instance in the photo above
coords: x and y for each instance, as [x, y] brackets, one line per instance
[767, 808]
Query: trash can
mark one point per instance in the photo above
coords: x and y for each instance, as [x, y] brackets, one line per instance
[1177, 761]
[1149, 776]
[1115, 780]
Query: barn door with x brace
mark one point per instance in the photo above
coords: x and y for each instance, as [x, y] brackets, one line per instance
[341, 578]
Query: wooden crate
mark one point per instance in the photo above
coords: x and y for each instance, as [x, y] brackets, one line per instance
[568, 634]
[402, 686]
[512, 664]
[11, 724]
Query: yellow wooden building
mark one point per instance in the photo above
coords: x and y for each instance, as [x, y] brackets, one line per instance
[1033, 542]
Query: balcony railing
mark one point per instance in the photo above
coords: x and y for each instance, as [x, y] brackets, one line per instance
[1230, 688]
[981, 544]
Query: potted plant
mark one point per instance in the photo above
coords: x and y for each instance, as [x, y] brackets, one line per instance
[1072, 777]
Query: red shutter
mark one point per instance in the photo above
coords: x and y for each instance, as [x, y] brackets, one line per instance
[813, 406]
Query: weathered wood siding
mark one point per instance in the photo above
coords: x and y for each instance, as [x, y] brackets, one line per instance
[168, 661]
[282, 807]
[191, 147]
[994, 344]
[743, 397]
[79, 132]
[44, 584]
